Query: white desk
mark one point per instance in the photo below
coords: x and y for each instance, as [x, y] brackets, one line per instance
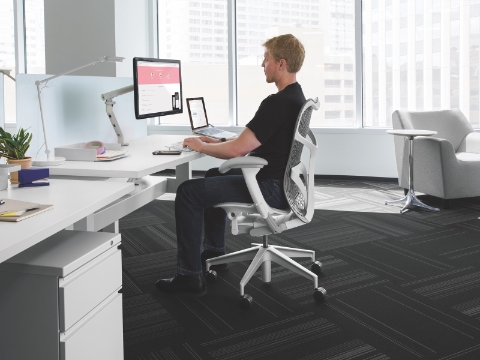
[72, 201]
[137, 167]
[140, 163]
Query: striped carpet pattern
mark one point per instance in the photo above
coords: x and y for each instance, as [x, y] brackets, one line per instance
[400, 286]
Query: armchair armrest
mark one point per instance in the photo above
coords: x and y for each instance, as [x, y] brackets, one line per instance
[471, 143]
[434, 164]
[242, 162]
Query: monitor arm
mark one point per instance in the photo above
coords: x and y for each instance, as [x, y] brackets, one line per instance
[107, 97]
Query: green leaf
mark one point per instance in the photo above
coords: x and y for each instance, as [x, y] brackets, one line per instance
[14, 146]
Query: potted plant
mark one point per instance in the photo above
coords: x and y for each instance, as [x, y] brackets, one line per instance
[13, 147]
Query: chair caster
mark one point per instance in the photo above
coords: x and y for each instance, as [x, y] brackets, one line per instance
[320, 294]
[245, 302]
[211, 276]
[316, 268]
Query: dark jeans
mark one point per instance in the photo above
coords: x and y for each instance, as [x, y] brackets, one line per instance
[194, 207]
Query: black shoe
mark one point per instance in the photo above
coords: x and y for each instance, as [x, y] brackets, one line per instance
[209, 254]
[183, 284]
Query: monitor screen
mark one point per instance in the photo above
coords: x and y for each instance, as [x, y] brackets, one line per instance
[196, 110]
[157, 87]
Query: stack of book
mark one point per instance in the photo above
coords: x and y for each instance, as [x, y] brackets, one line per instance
[16, 210]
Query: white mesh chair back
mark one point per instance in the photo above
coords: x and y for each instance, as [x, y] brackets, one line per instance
[298, 182]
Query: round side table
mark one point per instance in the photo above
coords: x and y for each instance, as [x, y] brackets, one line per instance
[410, 201]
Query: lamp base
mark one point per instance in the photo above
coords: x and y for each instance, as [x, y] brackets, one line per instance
[54, 161]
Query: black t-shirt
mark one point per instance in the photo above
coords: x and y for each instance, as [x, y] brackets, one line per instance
[273, 125]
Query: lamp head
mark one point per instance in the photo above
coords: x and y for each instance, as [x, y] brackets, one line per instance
[7, 73]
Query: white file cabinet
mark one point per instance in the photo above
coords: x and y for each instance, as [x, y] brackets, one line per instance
[61, 299]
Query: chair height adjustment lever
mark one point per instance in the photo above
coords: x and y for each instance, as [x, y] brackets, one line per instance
[234, 226]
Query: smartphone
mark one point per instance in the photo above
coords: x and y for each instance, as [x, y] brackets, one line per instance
[167, 152]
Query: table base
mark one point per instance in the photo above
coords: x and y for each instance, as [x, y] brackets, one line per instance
[409, 202]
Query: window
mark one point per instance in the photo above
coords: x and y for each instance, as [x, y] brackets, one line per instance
[34, 53]
[332, 67]
[333, 98]
[321, 75]
[203, 58]
[7, 57]
[35, 36]
[429, 60]
[333, 83]
[327, 32]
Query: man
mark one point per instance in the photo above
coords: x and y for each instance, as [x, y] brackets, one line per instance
[268, 135]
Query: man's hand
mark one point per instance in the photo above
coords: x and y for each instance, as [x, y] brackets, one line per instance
[240, 146]
[195, 143]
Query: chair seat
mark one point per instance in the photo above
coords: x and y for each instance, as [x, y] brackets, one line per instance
[464, 156]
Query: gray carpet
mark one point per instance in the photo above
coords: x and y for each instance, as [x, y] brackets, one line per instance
[399, 286]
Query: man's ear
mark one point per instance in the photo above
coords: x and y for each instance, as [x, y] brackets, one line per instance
[283, 64]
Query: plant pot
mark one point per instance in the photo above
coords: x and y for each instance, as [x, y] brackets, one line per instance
[25, 163]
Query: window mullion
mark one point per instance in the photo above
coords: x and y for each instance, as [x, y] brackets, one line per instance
[358, 65]
[232, 62]
[19, 33]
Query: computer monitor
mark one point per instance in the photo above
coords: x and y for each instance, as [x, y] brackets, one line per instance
[157, 87]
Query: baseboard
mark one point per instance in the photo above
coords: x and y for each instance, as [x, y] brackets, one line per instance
[356, 178]
[198, 173]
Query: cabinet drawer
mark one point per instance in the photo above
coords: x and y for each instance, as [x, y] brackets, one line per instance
[81, 291]
[98, 336]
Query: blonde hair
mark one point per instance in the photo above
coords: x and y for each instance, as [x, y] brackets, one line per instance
[286, 47]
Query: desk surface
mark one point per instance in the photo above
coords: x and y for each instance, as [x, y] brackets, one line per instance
[140, 163]
[72, 201]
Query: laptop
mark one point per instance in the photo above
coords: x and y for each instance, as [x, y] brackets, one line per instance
[199, 120]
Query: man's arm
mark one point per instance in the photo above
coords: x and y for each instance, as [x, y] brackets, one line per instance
[240, 146]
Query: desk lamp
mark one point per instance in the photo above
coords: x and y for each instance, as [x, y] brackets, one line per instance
[51, 161]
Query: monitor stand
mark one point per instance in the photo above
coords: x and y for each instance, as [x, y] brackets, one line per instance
[107, 97]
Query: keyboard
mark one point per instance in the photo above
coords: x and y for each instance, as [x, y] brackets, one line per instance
[210, 131]
[178, 146]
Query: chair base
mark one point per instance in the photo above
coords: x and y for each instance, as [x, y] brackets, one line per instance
[263, 256]
[409, 202]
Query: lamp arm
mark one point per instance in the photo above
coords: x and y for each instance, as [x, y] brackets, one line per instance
[99, 60]
[47, 150]
[107, 97]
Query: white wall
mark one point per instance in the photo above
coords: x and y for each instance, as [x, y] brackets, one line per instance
[349, 152]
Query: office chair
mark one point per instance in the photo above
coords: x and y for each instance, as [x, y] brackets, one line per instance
[259, 219]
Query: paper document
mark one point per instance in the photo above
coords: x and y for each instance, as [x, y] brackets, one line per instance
[17, 205]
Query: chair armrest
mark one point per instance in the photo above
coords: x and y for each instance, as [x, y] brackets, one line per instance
[242, 162]
[250, 166]
[471, 143]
